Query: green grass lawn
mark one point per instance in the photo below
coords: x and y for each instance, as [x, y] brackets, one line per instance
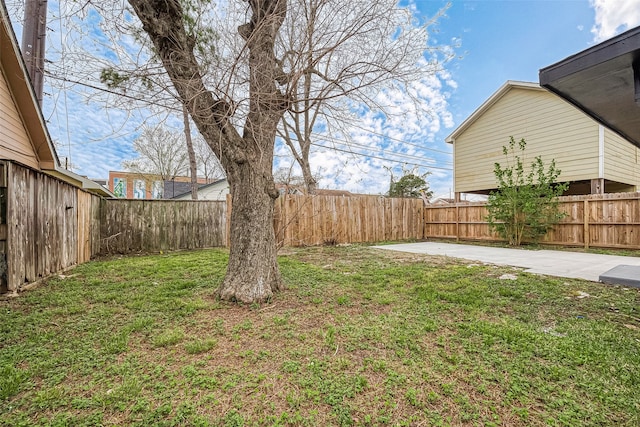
[361, 337]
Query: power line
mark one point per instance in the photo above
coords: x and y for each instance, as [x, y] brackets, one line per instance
[379, 158]
[394, 139]
[364, 147]
[381, 150]
[334, 140]
[113, 92]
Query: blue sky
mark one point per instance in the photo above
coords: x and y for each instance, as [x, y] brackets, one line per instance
[512, 40]
[498, 41]
[508, 40]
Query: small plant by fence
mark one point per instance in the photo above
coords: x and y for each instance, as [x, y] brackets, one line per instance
[605, 221]
[608, 221]
[317, 220]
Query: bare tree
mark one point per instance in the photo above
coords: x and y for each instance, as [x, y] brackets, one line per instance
[340, 54]
[161, 152]
[193, 167]
[252, 273]
[208, 164]
[238, 81]
[287, 181]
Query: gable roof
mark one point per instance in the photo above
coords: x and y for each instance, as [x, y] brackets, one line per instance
[604, 82]
[504, 89]
[201, 187]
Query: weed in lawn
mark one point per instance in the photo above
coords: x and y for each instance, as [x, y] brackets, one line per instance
[198, 346]
[168, 338]
[11, 380]
[361, 337]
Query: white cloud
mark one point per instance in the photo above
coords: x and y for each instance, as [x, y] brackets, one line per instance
[98, 138]
[371, 143]
[614, 17]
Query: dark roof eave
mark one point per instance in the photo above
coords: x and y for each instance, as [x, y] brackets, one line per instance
[617, 46]
[604, 82]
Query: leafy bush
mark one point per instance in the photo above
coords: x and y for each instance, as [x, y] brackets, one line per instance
[525, 206]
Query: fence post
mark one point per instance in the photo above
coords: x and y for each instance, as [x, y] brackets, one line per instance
[228, 220]
[586, 232]
[457, 222]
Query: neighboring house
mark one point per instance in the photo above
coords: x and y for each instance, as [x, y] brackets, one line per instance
[134, 185]
[217, 190]
[44, 226]
[442, 201]
[603, 81]
[293, 189]
[592, 157]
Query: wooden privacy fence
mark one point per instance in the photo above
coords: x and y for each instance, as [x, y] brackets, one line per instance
[609, 221]
[161, 225]
[51, 225]
[605, 221]
[46, 226]
[317, 220]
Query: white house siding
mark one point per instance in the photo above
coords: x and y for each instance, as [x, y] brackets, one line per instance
[621, 162]
[552, 128]
[14, 139]
[217, 191]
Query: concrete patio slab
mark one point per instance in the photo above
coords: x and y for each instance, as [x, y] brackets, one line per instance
[626, 275]
[575, 265]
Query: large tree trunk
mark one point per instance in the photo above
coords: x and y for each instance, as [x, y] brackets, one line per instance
[252, 273]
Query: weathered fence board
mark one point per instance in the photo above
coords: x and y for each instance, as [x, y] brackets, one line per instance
[88, 226]
[161, 225]
[42, 233]
[607, 221]
[317, 220]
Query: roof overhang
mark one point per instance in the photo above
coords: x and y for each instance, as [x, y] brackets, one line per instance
[20, 85]
[79, 181]
[604, 82]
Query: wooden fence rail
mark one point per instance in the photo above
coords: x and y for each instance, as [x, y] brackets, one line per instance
[604, 221]
[608, 221]
[161, 225]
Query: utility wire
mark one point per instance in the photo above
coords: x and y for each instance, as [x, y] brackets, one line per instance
[394, 139]
[334, 140]
[379, 158]
[381, 150]
[113, 92]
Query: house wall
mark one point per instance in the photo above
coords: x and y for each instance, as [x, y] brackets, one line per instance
[133, 185]
[552, 128]
[621, 160]
[14, 138]
[217, 191]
